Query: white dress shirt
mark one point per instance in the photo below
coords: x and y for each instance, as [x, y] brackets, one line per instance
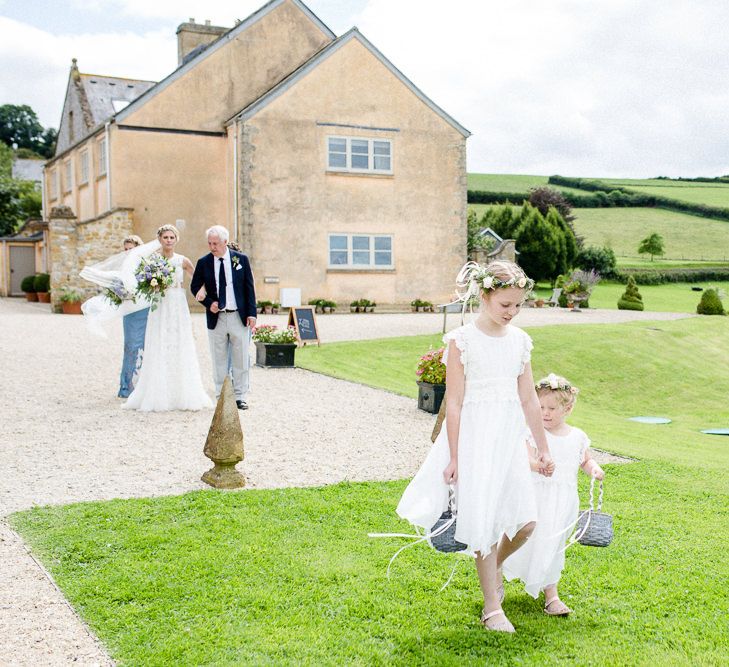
[230, 302]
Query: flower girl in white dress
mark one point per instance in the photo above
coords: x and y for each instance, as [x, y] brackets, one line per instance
[490, 401]
[540, 563]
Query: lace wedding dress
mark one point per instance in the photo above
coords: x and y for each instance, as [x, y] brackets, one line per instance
[170, 375]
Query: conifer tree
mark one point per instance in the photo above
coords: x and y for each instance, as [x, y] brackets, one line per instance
[538, 246]
[631, 298]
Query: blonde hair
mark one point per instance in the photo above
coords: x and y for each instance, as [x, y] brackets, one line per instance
[506, 271]
[133, 238]
[168, 228]
[560, 388]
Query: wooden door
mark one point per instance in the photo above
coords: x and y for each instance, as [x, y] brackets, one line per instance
[22, 263]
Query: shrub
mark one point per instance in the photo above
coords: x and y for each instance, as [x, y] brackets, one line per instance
[649, 277]
[598, 259]
[28, 284]
[431, 367]
[69, 295]
[710, 303]
[42, 282]
[631, 298]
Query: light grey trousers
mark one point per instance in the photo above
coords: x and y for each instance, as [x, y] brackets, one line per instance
[229, 349]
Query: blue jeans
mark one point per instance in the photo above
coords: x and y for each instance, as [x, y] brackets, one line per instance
[135, 326]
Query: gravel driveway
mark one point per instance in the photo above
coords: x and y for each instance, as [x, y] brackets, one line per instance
[65, 439]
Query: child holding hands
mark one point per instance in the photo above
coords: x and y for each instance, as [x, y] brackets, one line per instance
[540, 563]
[490, 403]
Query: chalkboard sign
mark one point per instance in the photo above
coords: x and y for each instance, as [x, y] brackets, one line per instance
[303, 319]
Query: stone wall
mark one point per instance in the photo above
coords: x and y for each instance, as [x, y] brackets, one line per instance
[75, 244]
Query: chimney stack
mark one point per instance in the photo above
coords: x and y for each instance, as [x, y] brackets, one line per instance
[193, 36]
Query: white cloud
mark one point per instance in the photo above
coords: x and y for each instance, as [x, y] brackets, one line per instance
[36, 63]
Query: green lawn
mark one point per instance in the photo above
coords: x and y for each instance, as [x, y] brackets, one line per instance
[669, 298]
[711, 194]
[512, 183]
[686, 237]
[288, 577]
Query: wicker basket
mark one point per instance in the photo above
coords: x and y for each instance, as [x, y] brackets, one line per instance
[443, 533]
[595, 528]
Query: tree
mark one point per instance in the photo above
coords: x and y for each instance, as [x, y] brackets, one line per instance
[20, 128]
[538, 246]
[545, 197]
[501, 219]
[6, 161]
[710, 303]
[598, 259]
[653, 245]
[568, 250]
[19, 200]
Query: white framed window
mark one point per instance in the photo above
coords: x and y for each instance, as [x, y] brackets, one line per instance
[102, 157]
[360, 251]
[54, 183]
[359, 155]
[84, 167]
[68, 176]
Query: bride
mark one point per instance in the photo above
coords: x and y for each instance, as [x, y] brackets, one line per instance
[170, 376]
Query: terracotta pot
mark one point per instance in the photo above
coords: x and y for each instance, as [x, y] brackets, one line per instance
[31, 296]
[44, 297]
[71, 307]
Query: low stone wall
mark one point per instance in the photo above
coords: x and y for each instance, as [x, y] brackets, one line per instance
[75, 244]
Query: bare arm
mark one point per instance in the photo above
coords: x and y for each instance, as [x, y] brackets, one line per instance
[591, 467]
[455, 388]
[188, 267]
[532, 414]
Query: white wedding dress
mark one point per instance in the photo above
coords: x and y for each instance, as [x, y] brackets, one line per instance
[170, 375]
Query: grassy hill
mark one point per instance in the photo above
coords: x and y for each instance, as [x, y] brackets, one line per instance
[689, 240]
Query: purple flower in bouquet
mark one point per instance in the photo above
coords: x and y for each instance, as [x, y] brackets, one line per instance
[154, 275]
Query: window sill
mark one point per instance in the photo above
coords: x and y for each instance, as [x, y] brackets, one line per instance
[369, 174]
[360, 270]
[100, 176]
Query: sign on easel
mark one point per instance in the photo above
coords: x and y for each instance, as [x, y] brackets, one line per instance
[302, 318]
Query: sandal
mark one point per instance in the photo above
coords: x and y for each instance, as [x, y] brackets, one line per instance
[562, 610]
[498, 626]
[501, 592]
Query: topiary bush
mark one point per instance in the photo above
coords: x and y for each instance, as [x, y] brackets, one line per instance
[631, 298]
[42, 282]
[28, 284]
[710, 303]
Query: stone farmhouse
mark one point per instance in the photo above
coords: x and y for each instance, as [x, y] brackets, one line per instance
[333, 171]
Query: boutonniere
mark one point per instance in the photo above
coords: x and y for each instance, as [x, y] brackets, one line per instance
[236, 262]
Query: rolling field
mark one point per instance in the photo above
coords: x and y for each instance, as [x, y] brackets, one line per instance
[511, 183]
[711, 194]
[690, 241]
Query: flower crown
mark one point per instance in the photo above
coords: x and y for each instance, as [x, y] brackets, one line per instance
[556, 383]
[474, 278]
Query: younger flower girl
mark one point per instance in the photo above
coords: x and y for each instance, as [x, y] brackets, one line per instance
[540, 562]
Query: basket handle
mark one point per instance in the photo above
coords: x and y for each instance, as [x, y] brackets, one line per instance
[592, 495]
[452, 499]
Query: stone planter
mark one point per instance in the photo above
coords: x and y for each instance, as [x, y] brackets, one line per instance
[44, 297]
[430, 396]
[71, 307]
[275, 355]
[31, 296]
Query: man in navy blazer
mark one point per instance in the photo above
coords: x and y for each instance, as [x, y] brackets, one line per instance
[229, 297]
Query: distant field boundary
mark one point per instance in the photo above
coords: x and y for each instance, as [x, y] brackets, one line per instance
[604, 195]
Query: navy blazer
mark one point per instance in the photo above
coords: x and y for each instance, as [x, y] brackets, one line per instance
[243, 287]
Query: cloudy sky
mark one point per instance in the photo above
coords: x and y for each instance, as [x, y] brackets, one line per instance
[633, 88]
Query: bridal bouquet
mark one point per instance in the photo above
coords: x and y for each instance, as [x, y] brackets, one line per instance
[117, 294]
[154, 275]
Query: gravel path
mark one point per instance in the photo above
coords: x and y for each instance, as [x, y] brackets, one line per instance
[65, 439]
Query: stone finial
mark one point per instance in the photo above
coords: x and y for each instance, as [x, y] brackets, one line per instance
[61, 212]
[224, 444]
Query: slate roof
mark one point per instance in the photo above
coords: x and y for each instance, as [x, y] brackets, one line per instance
[107, 95]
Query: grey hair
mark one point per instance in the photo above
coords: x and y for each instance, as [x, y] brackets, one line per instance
[219, 231]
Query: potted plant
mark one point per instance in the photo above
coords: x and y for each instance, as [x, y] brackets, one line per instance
[431, 374]
[71, 301]
[275, 307]
[317, 303]
[579, 286]
[42, 285]
[328, 306]
[264, 307]
[28, 286]
[274, 347]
